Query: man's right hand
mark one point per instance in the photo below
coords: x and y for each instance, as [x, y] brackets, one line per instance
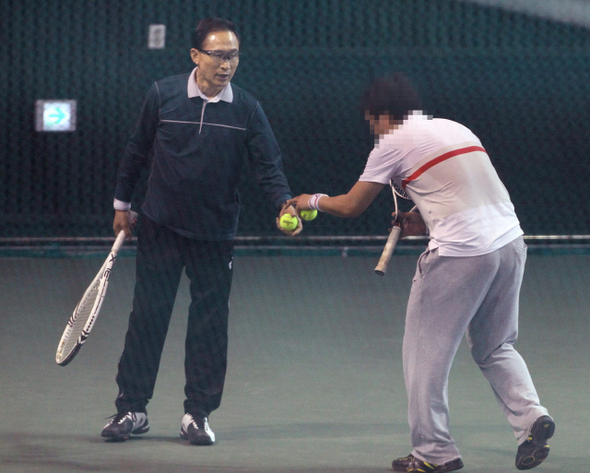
[125, 220]
[412, 224]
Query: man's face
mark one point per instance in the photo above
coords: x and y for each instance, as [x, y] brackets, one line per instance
[216, 64]
[381, 124]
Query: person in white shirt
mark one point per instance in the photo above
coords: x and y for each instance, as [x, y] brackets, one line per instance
[467, 280]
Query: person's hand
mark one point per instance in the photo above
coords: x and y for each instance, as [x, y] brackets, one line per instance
[412, 224]
[125, 220]
[289, 209]
[301, 202]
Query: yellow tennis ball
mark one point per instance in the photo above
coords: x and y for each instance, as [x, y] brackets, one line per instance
[288, 222]
[309, 215]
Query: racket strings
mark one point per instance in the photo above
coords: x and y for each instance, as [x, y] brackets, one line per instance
[397, 191]
[80, 318]
[400, 191]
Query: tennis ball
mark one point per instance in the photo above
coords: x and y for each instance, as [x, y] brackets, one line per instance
[309, 215]
[288, 222]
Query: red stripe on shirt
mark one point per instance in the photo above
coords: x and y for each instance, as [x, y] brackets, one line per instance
[443, 157]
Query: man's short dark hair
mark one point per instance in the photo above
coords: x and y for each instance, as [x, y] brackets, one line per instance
[392, 95]
[208, 26]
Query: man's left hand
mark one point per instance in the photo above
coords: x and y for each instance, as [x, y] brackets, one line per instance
[289, 209]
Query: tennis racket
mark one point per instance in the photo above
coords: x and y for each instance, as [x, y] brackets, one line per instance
[86, 312]
[381, 267]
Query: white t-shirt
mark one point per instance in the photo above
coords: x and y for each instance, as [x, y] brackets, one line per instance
[448, 174]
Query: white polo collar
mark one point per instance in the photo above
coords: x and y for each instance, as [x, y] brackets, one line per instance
[226, 94]
[418, 115]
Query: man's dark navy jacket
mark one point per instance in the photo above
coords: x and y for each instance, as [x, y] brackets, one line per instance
[199, 149]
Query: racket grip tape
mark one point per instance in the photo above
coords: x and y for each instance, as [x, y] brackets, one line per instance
[381, 267]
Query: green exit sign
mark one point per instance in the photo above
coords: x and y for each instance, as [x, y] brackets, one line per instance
[55, 115]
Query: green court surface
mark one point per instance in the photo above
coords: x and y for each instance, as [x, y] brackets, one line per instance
[315, 378]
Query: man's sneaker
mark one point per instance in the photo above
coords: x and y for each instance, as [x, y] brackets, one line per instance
[412, 464]
[124, 424]
[196, 430]
[535, 449]
[401, 464]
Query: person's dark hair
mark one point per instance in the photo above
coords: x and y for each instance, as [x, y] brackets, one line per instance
[392, 95]
[208, 26]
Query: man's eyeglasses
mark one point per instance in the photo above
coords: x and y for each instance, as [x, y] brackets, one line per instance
[222, 56]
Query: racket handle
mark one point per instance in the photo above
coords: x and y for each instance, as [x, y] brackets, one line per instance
[388, 250]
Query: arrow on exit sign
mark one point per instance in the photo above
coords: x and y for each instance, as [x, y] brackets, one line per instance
[55, 115]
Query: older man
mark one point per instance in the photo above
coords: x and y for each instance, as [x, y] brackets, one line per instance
[194, 132]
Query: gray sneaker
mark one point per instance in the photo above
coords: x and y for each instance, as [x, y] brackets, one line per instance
[124, 424]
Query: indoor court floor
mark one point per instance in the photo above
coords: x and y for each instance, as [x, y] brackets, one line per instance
[315, 379]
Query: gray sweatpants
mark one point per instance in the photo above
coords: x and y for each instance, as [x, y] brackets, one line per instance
[451, 296]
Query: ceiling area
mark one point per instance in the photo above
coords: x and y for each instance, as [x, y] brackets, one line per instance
[575, 12]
